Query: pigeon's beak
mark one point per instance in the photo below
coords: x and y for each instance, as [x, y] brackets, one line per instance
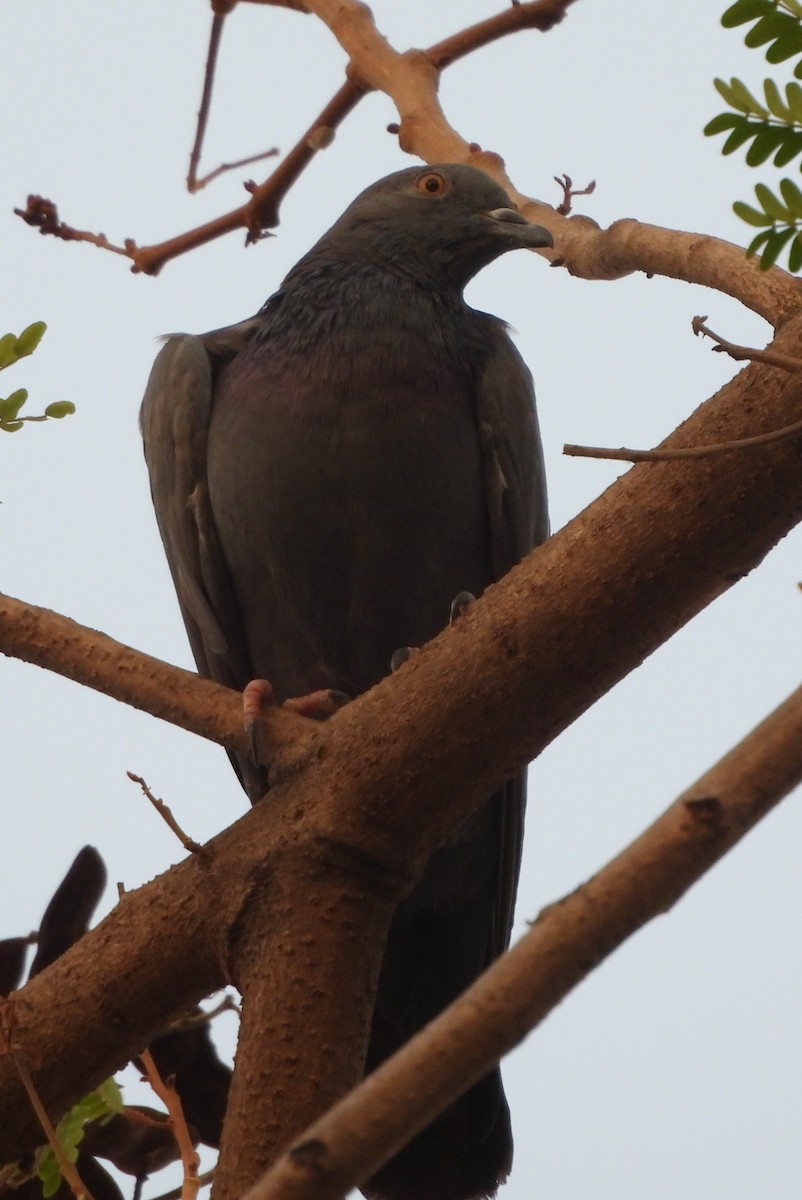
[524, 232]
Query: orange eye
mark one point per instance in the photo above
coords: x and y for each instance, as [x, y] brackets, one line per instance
[432, 183]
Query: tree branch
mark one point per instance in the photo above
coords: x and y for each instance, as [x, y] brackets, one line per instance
[567, 941]
[183, 698]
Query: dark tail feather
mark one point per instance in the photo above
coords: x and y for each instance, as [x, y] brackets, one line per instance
[463, 1155]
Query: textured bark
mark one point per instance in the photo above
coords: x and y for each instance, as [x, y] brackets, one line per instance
[563, 946]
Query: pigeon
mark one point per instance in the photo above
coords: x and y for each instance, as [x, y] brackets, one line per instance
[328, 477]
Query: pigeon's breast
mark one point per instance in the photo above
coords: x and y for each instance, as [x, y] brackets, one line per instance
[346, 483]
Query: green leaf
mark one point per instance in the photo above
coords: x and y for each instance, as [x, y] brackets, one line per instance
[774, 248]
[59, 409]
[785, 47]
[749, 214]
[775, 101]
[30, 338]
[728, 120]
[772, 205]
[764, 145]
[795, 254]
[8, 350]
[12, 404]
[789, 148]
[10, 426]
[742, 133]
[793, 95]
[758, 241]
[738, 96]
[773, 26]
[792, 197]
[110, 1092]
[745, 10]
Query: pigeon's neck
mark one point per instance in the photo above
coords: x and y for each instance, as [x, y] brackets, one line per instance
[318, 298]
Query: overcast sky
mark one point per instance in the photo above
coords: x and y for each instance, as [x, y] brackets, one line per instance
[674, 1072]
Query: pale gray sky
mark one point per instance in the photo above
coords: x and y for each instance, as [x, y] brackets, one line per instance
[674, 1072]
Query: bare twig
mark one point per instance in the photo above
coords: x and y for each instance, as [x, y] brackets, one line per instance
[43, 215]
[193, 183]
[569, 191]
[625, 454]
[218, 21]
[68, 1170]
[169, 1097]
[166, 814]
[260, 212]
[746, 353]
[175, 1193]
[197, 1019]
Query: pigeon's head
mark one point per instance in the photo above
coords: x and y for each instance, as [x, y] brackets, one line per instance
[438, 224]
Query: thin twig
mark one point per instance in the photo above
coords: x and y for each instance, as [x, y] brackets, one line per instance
[218, 20]
[625, 454]
[746, 353]
[197, 1019]
[169, 1097]
[260, 212]
[165, 812]
[68, 1170]
[175, 1193]
[569, 191]
[43, 215]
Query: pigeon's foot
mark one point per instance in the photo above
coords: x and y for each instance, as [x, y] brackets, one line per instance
[316, 705]
[460, 605]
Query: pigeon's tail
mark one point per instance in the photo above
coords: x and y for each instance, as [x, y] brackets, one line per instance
[464, 1155]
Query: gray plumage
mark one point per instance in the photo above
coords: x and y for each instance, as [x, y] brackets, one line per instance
[327, 477]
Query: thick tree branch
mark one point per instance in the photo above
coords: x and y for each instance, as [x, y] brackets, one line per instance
[49, 640]
[401, 765]
[568, 940]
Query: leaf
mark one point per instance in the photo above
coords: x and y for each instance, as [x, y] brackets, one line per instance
[795, 254]
[739, 135]
[793, 95]
[772, 205]
[8, 350]
[111, 1094]
[10, 426]
[749, 214]
[789, 149]
[775, 101]
[745, 10]
[12, 404]
[764, 145]
[774, 248]
[785, 47]
[59, 409]
[728, 120]
[757, 242]
[738, 96]
[30, 338]
[773, 26]
[792, 197]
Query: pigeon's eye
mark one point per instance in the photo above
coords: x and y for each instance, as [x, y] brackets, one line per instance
[433, 184]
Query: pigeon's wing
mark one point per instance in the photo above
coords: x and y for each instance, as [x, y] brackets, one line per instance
[515, 487]
[174, 419]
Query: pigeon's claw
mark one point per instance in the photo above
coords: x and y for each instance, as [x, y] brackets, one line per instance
[254, 695]
[402, 655]
[460, 605]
